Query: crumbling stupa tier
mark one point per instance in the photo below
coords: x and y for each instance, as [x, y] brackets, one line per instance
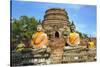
[55, 21]
[55, 14]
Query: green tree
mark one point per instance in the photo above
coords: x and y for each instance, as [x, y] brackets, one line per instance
[22, 29]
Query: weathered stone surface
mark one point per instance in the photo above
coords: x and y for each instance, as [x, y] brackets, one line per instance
[70, 55]
[78, 54]
[55, 19]
[57, 46]
[29, 57]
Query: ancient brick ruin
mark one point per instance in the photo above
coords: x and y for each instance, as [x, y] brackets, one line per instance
[55, 22]
[57, 26]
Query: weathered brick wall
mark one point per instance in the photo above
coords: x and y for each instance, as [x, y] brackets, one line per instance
[57, 46]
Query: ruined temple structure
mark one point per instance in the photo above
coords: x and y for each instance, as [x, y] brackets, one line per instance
[57, 26]
[55, 22]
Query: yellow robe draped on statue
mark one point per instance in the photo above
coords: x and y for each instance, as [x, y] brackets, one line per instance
[74, 39]
[39, 39]
[91, 44]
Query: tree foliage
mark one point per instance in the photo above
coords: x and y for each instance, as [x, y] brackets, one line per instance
[22, 29]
